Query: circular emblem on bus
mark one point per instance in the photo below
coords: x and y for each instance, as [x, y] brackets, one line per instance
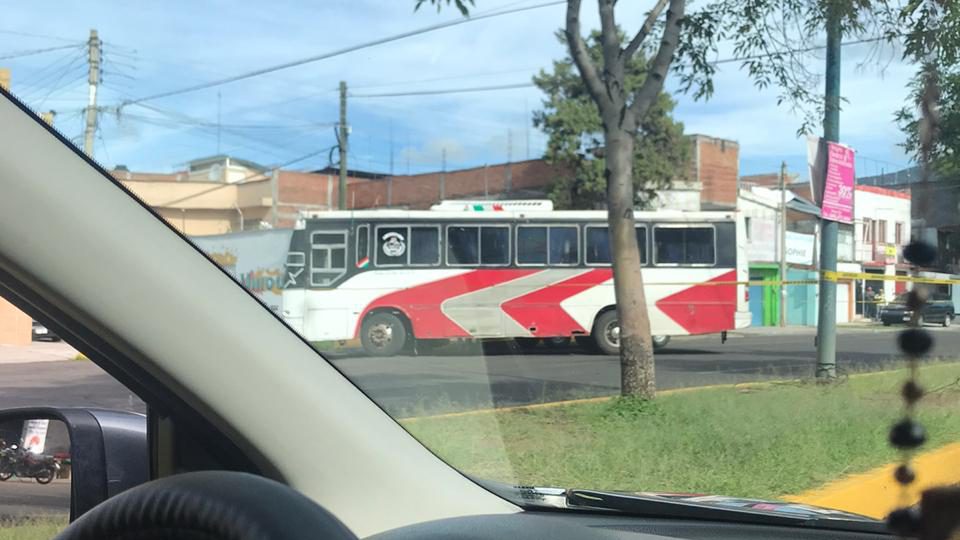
[393, 244]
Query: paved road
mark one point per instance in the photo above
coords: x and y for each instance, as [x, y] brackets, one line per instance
[462, 380]
[450, 379]
[20, 498]
[72, 383]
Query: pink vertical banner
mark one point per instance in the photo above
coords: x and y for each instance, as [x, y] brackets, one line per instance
[837, 201]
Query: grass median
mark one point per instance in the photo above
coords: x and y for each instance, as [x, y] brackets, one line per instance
[34, 528]
[758, 440]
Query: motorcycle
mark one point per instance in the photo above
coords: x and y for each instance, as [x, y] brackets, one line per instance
[25, 464]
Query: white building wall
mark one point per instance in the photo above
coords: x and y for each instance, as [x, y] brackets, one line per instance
[872, 206]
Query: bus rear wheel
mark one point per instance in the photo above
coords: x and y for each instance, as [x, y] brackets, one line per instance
[606, 334]
[383, 334]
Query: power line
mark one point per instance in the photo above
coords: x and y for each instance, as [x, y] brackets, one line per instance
[42, 36]
[248, 177]
[36, 80]
[437, 79]
[31, 52]
[57, 89]
[209, 128]
[530, 84]
[447, 91]
[339, 52]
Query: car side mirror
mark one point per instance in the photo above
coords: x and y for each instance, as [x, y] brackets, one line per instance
[89, 455]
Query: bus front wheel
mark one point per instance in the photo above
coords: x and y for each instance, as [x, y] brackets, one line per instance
[383, 334]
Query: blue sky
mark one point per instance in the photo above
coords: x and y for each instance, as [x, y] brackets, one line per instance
[151, 47]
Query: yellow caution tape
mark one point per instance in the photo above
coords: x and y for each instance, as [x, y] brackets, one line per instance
[830, 275]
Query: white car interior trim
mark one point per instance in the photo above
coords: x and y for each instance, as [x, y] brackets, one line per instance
[92, 245]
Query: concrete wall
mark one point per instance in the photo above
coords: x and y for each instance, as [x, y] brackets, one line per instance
[15, 325]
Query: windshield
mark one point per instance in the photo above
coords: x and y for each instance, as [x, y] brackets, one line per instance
[614, 251]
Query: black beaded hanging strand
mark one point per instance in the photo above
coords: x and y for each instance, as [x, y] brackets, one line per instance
[907, 435]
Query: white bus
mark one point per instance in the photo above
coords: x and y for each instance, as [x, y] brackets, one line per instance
[499, 270]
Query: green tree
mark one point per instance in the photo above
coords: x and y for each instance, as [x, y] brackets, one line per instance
[933, 40]
[572, 121]
[772, 40]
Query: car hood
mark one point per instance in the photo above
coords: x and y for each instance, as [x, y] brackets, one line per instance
[895, 305]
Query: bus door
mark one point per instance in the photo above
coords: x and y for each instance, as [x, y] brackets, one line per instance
[324, 316]
[295, 282]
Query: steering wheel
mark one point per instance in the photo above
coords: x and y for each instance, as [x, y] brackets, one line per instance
[208, 505]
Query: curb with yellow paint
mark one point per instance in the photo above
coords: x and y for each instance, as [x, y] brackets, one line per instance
[876, 493]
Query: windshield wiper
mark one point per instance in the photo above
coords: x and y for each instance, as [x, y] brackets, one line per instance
[682, 507]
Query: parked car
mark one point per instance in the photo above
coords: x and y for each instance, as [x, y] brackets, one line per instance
[939, 310]
[42, 333]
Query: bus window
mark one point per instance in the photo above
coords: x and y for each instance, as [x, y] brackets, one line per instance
[328, 257]
[424, 246]
[531, 245]
[642, 243]
[495, 245]
[462, 246]
[598, 244]
[563, 246]
[684, 245]
[699, 245]
[392, 246]
[363, 245]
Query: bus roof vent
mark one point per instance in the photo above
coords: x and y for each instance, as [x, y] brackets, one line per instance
[534, 205]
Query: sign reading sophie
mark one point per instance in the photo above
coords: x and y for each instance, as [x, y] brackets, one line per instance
[832, 178]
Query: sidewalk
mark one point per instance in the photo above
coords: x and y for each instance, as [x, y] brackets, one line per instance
[861, 325]
[38, 351]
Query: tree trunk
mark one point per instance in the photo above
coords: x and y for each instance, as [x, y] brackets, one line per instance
[636, 350]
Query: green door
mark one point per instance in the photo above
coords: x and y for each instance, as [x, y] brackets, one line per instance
[769, 313]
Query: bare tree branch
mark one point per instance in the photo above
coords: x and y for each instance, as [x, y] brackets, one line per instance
[578, 52]
[657, 73]
[644, 31]
[613, 65]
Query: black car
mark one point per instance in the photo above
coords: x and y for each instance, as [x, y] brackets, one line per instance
[42, 333]
[939, 310]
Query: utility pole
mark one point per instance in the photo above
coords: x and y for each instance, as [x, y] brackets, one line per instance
[508, 181]
[390, 180]
[827, 313]
[443, 173]
[342, 143]
[783, 243]
[218, 122]
[526, 123]
[93, 78]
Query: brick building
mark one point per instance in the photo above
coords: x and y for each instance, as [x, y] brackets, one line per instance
[222, 194]
[716, 167]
